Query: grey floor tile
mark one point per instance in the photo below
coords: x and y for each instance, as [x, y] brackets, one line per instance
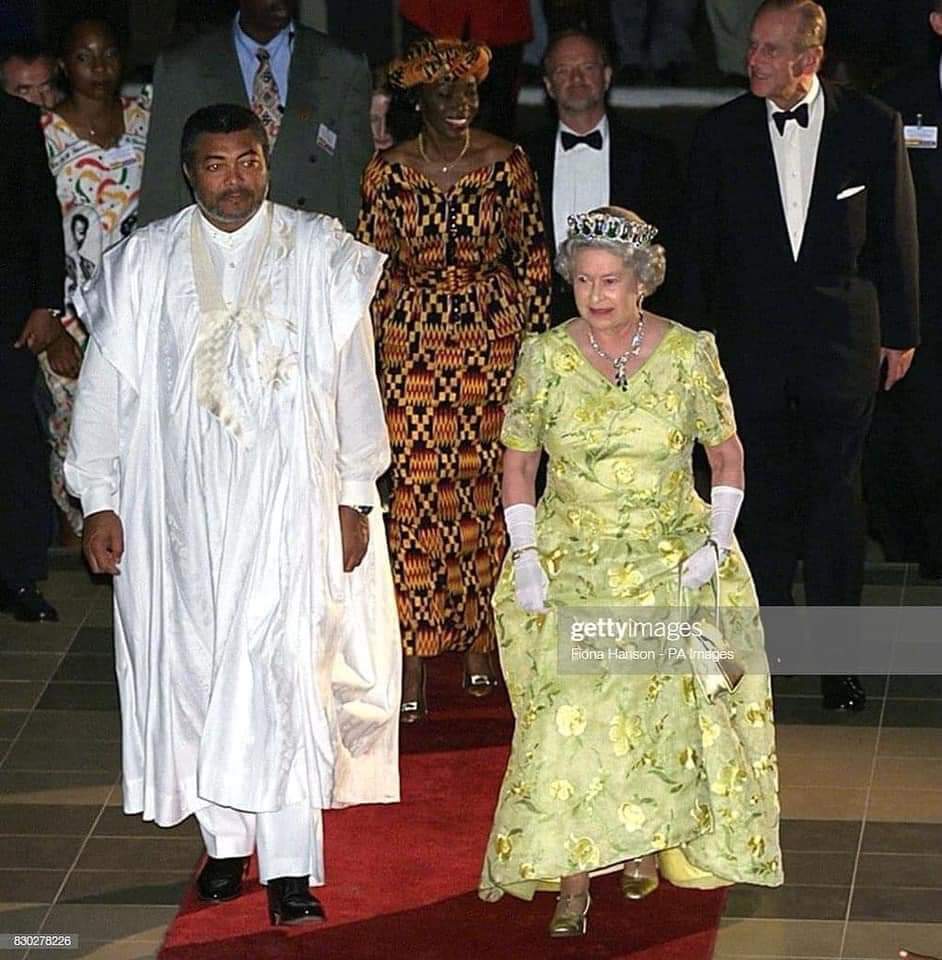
[165, 853]
[19, 694]
[36, 667]
[86, 667]
[21, 918]
[93, 950]
[114, 823]
[35, 637]
[922, 596]
[39, 853]
[808, 686]
[79, 696]
[924, 838]
[56, 787]
[84, 755]
[73, 725]
[130, 922]
[887, 573]
[899, 905]
[900, 870]
[823, 836]
[808, 710]
[867, 940]
[818, 869]
[912, 713]
[93, 640]
[46, 819]
[11, 722]
[908, 773]
[29, 886]
[793, 939]
[908, 742]
[789, 903]
[919, 688]
[150, 887]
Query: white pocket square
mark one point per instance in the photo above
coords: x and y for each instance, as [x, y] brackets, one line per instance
[851, 192]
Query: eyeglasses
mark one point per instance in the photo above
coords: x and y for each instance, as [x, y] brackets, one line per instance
[588, 70]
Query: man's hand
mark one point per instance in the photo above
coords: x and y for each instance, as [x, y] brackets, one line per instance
[103, 542]
[64, 356]
[355, 533]
[897, 363]
[40, 330]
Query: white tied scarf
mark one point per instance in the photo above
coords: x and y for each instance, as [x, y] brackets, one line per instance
[227, 337]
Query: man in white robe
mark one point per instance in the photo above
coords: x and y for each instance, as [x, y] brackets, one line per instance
[227, 437]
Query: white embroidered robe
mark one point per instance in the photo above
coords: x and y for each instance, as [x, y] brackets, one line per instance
[252, 671]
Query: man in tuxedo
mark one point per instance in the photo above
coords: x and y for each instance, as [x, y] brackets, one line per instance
[906, 429]
[803, 248]
[312, 96]
[592, 159]
[32, 282]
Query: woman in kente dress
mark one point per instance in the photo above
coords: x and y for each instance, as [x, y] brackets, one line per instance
[95, 144]
[609, 767]
[458, 212]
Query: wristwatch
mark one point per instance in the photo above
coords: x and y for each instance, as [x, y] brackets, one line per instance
[363, 511]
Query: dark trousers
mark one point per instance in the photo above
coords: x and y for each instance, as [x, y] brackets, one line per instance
[903, 466]
[25, 503]
[804, 497]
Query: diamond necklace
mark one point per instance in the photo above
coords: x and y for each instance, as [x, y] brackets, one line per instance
[451, 163]
[621, 361]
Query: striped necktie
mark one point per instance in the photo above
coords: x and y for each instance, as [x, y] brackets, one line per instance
[266, 103]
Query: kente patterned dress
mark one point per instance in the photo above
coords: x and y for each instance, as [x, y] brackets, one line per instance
[467, 276]
[610, 765]
[98, 191]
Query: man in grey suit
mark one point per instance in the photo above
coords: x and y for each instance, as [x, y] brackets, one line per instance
[312, 95]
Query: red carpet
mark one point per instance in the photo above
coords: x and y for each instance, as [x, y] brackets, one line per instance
[402, 878]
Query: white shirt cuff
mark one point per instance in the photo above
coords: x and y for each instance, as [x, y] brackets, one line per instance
[357, 493]
[95, 501]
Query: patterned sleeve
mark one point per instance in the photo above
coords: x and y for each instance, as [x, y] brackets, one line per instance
[375, 226]
[527, 240]
[713, 407]
[524, 421]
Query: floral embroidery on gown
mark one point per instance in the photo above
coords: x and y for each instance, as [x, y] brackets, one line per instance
[606, 767]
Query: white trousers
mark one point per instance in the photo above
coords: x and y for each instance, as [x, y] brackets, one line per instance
[290, 841]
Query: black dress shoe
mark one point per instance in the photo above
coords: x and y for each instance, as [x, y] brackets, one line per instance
[221, 878]
[842, 693]
[27, 604]
[290, 901]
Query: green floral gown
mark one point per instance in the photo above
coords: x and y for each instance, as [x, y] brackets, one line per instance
[612, 766]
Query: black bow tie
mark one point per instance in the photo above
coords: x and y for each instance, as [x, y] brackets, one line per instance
[799, 115]
[593, 139]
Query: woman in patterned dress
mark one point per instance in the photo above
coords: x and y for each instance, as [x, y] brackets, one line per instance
[457, 211]
[95, 144]
[611, 765]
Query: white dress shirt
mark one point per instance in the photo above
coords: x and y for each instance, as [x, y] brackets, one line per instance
[279, 49]
[580, 178]
[796, 153]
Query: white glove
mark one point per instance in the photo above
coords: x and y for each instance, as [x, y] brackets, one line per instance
[700, 566]
[530, 580]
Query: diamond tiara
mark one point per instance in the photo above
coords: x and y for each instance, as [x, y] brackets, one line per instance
[606, 226]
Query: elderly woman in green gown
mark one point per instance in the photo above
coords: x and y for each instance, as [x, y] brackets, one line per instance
[610, 769]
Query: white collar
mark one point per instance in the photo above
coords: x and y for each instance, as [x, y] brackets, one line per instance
[236, 239]
[287, 34]
[601, 126]
[811, 98]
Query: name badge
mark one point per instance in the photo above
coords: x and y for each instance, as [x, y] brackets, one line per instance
[120, 157]
[918, 137]
[326, 139]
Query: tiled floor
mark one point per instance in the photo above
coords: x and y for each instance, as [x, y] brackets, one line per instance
[861, 796]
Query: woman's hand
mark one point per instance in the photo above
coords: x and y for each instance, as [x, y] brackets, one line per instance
[530, 582]
[700, 567]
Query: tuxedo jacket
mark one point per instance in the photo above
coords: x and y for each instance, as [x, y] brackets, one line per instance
[814, 325]
[918, 94]
[643, 177]
[328, 90]
[32, 254]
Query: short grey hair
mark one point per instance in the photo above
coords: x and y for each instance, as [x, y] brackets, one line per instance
[812, 20]
[647, 263]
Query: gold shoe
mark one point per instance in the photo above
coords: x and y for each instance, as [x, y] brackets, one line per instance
[639, 878]
[569, 917]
